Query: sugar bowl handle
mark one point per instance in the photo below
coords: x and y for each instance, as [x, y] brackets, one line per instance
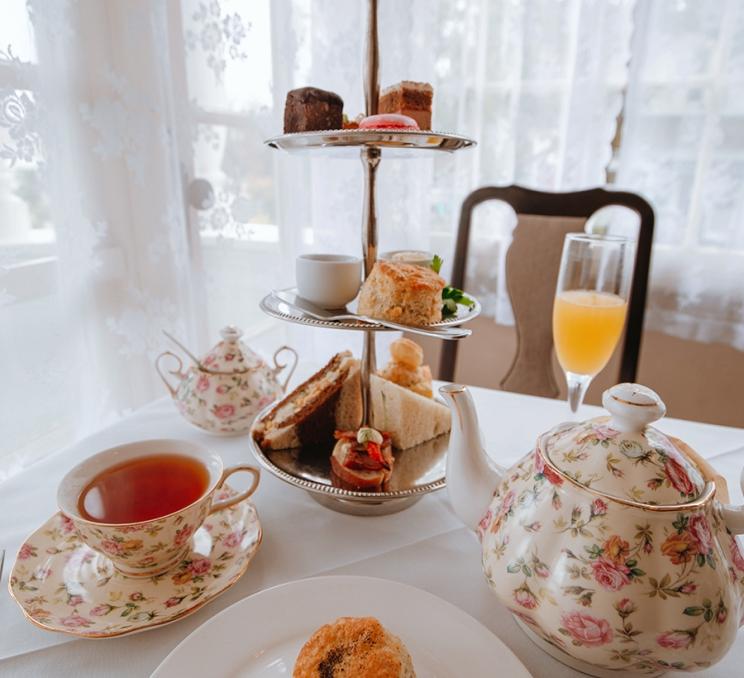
[231, 501]
[278, 367]
[177, 372]
[632, 407]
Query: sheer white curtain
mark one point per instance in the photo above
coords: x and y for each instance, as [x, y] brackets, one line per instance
[683, 147]
[136, 193]
[91, 144]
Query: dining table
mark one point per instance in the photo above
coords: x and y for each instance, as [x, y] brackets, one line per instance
[425, 545]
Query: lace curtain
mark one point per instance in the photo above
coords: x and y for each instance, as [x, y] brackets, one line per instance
[136, 194]
[683, 147]
[94, 238]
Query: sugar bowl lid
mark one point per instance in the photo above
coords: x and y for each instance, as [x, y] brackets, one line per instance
[230, 356]
[622, 456]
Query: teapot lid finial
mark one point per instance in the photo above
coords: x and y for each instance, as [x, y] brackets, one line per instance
[230, 356]
[231, 333]
[632, 407]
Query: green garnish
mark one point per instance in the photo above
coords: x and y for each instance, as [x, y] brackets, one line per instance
[451, 296]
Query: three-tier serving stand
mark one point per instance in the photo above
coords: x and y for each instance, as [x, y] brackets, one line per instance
[370, 145]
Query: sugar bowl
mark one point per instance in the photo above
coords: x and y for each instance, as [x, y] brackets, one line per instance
[224, 391]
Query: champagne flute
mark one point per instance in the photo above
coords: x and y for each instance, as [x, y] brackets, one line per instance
[591, 300]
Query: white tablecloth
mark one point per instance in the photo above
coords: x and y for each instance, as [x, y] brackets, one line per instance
[424, 546]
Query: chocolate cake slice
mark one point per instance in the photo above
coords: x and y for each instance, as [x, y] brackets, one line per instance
[310, 109]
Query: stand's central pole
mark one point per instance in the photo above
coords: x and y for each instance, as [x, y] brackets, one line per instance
[370, 160]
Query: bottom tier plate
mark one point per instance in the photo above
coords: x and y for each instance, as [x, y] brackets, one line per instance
[418, 471]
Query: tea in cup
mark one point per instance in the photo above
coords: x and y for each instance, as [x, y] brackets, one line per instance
[139, 504]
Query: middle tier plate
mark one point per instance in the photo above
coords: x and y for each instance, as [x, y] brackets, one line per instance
[275, 307]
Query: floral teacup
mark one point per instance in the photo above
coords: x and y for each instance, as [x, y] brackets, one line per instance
[150, 547]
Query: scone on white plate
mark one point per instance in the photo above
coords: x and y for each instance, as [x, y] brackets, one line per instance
[403, 293]
[354, 647]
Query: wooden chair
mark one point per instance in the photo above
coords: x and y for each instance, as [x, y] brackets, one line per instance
[532, 265]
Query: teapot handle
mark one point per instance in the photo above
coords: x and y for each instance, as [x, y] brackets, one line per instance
[733, 516]
[178, 371]
[278, 367]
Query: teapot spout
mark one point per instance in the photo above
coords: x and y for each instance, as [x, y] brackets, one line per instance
[472, 478]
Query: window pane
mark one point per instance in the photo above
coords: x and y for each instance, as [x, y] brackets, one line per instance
[16, 30]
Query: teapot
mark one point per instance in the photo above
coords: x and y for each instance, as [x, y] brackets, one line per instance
[612, 544]
[223, 392]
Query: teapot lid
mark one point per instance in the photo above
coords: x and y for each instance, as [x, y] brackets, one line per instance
[621, 455]
[230, 356]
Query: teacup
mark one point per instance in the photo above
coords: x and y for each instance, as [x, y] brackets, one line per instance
[328, 280]
[149, 547]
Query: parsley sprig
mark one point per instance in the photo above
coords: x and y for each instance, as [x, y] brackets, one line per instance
[451, 296]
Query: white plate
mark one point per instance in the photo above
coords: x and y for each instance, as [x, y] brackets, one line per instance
[261, 635]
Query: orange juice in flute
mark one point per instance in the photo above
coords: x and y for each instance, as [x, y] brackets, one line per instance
[590, 306]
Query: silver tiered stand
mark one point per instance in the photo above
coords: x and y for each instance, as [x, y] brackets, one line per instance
[371, 145]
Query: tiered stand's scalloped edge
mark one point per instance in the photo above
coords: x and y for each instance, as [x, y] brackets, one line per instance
[371, 145]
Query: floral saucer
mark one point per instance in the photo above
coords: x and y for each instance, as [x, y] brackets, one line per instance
[63, 585]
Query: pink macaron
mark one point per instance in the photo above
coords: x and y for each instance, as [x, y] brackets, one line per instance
[388, 121]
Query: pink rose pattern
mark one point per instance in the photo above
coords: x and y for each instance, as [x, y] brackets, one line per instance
[677, 476]
[676, 640]
[586, 630]
[223, 411]
[543, 469]
[26, 551]
[610, 576]
[523, 596]
[613, 564]
[86, 614]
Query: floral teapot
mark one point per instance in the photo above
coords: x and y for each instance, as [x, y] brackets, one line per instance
[611, 543]
[223, 392]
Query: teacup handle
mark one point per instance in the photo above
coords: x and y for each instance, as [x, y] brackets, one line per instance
[227, 503]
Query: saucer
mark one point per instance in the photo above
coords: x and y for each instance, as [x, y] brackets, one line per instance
[63, 585]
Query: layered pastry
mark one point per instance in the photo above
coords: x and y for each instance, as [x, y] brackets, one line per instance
[406, 367]
[354, 647]
[389, 121]
[309, 109]
[412, 99]
[332, 400]
[362, 460]
[403, 293]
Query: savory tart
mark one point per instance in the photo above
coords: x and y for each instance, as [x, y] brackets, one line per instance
[354, 647]
[403, 293]
[310, 109]
[409, 98]
[362, 460]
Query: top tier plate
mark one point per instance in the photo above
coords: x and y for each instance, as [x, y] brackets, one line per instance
[344, 143]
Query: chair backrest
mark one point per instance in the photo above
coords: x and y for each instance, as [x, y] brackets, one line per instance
[532, 265]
